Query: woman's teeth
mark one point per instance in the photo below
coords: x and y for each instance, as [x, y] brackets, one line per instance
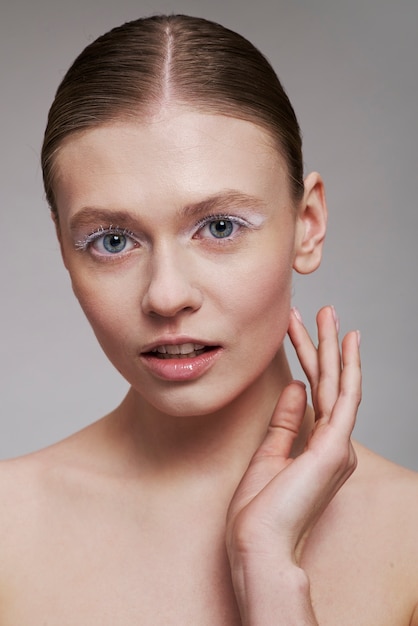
[180, 351]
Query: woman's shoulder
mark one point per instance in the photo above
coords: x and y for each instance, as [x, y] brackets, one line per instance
[25, 482]
[24, 503]
[383, 485]
[383, 477]
[41, 489]
[384, 498]
[375, 515]
[29, 482]
[21, 480]
[365, 546]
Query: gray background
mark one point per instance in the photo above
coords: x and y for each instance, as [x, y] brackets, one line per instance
[351, 71]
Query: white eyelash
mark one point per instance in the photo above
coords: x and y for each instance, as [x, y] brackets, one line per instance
[83, 244]
[229, 218]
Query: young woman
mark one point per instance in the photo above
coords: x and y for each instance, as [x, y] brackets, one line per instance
[213, 495]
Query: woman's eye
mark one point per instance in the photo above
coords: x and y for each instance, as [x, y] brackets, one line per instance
[114, 243]
[111, 243]
[220, 228]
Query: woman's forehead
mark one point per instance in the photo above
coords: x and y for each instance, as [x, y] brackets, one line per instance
[177, 126]
[182, 149]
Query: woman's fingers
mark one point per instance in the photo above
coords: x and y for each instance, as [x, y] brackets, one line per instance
[345, 409]
[305, 349]
[274, 452]
[285, 423]
[329, 360]
[322, 365]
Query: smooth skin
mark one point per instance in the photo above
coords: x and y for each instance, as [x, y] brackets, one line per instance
[222, 499]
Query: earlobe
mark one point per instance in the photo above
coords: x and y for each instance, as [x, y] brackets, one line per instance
[311, 225]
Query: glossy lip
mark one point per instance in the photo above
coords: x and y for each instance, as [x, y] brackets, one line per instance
[181, 369]
[178, 340]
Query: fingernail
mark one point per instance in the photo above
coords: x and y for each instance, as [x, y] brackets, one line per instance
[358, 338]
[336, 318]
[299, 382]
[297, 314]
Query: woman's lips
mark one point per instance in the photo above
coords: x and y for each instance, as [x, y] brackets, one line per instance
[180, 362]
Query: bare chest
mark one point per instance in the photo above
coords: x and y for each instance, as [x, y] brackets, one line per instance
[95, 566]
[119, 570]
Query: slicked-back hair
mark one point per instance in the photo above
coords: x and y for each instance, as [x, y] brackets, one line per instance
[134, 69]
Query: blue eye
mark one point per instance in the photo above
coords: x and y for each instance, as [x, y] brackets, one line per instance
[108, 242]
[217, 227]
[221, 228]
[114, 243]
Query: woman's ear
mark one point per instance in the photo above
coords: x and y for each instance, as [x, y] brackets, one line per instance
[311, 225]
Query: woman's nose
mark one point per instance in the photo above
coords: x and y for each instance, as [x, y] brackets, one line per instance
[170, 288]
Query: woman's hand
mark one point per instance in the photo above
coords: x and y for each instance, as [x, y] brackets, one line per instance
[280, 498]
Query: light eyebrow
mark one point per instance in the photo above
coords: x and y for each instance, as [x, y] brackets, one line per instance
[222, 203]
[89, 217]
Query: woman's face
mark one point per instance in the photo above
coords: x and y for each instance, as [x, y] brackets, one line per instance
[179, 236]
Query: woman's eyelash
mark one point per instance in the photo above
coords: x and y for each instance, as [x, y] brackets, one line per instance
[83, 244]
[227, 218]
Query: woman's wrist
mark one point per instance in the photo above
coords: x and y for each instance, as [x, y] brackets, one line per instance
[271, 592]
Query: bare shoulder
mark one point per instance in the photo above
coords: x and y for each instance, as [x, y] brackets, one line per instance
[388, 486]
[23, 505]
[35, 486]
[365, 547]
[26, 489]
[375, 516]
[20, 490]
[385, 500]
[52, 502]
[384, 496]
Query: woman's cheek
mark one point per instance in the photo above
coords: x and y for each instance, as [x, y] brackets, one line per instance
[105, 303]
[270, 286]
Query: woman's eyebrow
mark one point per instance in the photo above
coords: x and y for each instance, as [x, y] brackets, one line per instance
[223, 202]
[91, 216]
[219, 203]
